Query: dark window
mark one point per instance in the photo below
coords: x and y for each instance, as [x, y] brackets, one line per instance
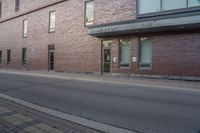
[0, 57]
[52, 21]
[153, 6]
[24, 60]
[125, 53]
[17, 5]
[25, 28]
[89, 12]
[0, 9]
[145, 53]
[8, 56]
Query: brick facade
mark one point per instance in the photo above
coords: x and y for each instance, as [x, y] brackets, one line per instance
[174, 53]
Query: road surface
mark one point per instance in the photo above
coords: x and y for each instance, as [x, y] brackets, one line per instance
[142, 109]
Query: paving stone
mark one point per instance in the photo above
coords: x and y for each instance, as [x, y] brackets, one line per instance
[44, 127]
[4, 110]
[9, 118]
[30, 129]
[38, 131]
[20, 119]
[55, 131]
[17, 122]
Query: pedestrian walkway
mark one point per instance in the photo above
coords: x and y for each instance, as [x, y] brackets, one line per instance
[15, 118]
[118, 79]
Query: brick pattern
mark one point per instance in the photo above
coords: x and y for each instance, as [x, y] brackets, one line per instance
[173, 54]
[76, 51]
[107, 11]
[8, 8]
[15, 118]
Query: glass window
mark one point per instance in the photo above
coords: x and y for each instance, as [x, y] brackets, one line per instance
[8, 56]
[146, 52]
[52, 23]
[24, 55]
[17, 5]
[173, 4]
[0, 9]
[192, 3]
[25, 28]
[125, 53]
[0, 57]
[149, 6]
[89, 15]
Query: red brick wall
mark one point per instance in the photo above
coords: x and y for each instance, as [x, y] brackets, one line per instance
[107, 11]
[175, 54]
[8, 7]
[76, 51]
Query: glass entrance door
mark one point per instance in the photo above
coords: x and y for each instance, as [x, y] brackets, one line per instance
[106, 56]
[107, 60]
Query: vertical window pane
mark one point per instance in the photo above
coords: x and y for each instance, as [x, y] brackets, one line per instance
[146, 52]
[192, 3]
[8, 56]
[24, 55]
[52, 23]
[17, 5]
[149, 6]
[0, 57]
[89, 12]
[174, 4]
[125, 53]
[0, 9]
[25, 28]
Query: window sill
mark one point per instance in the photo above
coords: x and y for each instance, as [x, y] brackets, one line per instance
[145, 68]
[124, 68]
[87, 24]
[24, 63]
[51, 32]
[24, 37]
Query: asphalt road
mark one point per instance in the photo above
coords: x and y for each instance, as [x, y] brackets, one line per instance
[143, 109]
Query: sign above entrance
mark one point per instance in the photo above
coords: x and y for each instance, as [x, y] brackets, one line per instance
[145, 25]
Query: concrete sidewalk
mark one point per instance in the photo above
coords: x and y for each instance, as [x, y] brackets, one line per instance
[15, 118]
[117, 79]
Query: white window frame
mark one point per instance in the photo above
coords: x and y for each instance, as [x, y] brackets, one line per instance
[25, 28]
[86, 21]
[52, 21]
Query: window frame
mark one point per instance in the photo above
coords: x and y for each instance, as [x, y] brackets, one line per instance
[49, 27]
[17, 5]
[1, 56]
[189, 5]
[8, 56]
[24, 58]
[23, 30]
[166, 12]
[140, 55]
[119, 54]
[85, 14]
[0, 9]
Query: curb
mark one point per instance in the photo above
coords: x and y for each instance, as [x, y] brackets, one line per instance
[78, 120]
[100, 81]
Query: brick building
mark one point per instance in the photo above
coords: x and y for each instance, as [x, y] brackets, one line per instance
[150, 37]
